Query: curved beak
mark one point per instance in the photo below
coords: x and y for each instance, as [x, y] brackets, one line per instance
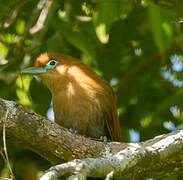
[34, 70]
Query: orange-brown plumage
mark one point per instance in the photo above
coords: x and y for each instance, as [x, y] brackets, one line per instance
[82, 100]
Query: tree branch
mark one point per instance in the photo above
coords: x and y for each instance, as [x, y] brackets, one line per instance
[51, 141]
[161, 156]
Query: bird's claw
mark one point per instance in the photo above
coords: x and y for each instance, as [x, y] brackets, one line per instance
[103, 138]
[73, 131]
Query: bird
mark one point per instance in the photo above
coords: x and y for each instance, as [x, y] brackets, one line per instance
[82, 100]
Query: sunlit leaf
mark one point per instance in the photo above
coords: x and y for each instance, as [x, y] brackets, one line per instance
[3, 51]
[20, 26]
[23, 85]
[145, 122]
[109, 11]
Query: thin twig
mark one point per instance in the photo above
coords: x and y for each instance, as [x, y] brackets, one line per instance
[42, 18]
[14, 14]
[35, 14]
[4, 158]
[2, 178]
[5, 147]
[133, 71]
[110, 176]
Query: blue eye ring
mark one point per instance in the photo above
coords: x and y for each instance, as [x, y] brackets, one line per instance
[51, 64]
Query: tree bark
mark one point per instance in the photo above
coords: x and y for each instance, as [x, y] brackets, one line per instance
[161, 156]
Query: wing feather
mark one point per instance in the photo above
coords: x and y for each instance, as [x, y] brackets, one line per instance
[112, 120]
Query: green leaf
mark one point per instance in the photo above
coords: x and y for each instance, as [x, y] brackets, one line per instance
[161, 26]
[82, 42]
[109, 11]
[3, 51]
[20, 26]
[22, 88]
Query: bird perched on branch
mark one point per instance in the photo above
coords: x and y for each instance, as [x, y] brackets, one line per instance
[82, 100]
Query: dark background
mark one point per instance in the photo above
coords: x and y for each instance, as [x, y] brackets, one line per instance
[136, 45]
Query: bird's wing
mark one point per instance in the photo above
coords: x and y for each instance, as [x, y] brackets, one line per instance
[112, 121]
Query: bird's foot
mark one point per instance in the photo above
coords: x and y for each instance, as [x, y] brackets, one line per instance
[101, 139]
[73, 131]
[104, 139]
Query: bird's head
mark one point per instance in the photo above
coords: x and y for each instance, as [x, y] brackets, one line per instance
[59, 71]
[47, 63]
[52, 69]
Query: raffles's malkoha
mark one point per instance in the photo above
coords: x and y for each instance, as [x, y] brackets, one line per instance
[82, 100]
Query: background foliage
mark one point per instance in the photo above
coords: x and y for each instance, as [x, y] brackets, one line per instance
[136, 45]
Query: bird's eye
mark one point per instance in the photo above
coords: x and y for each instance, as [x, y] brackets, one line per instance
[51, 64]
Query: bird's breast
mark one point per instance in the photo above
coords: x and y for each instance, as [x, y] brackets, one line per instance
[80, 110]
